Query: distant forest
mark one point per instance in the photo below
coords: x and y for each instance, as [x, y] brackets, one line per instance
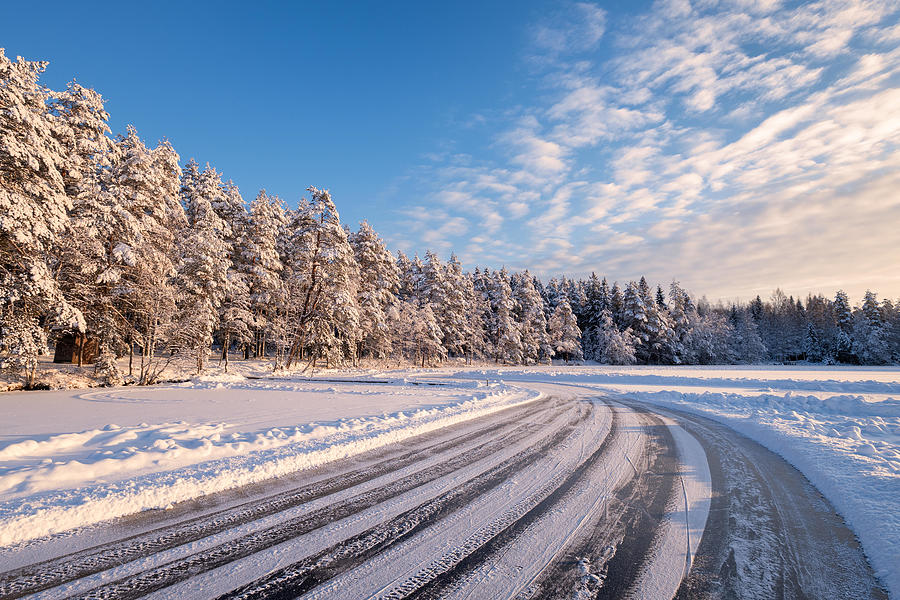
[109, 241]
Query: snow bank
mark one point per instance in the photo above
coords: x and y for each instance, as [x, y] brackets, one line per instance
[59, 481]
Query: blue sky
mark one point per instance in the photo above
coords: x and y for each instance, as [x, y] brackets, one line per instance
[735, 146]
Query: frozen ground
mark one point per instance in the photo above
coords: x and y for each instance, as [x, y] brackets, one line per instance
[73, 458]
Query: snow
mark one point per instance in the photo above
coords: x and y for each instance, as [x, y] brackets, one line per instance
[839, 426]
[684, 523]
[73, 458]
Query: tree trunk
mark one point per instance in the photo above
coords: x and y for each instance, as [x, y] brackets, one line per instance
[225, 352]
[79, 347]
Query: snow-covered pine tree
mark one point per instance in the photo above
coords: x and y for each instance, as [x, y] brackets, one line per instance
[410, 276]
[236, 320]
[433, 282]
[379, 281]
[85, 135]
[552, 293]
[710, 337]
[419, 333]
[230, 207]
[532, 322]
[746, 345]
[683, 315]
[614, 347]
[456, 319]
[634, 315]
[503, 330]
[436, 290]
[565, 336]
[203, 274]
[890, 312]
[843, 316]
[575, 294]
[33, 215]
[478, 309]
[321, 278]
[812, 344]
[259, 252]
[145, 184]
[86, 262]
[662, 345]
[617, 306]
[597, 298]
[660, 298]
[870, 341]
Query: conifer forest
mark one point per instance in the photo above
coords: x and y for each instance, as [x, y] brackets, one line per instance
[115, 241]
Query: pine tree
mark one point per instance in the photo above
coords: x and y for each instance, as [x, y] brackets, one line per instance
[870, 341]
[617, 305]
[377, 293]
[597, 293]
[532, 322]
[456, 318]
[477, 314]
[410, 276]
[439, 289]
[756, 309]
[419, 333]
[321, 278]
[204, 269]
[660, 298]
[565, 336]
[812, 345]
[746, 345]
[34, 209]
[710, 338]
[260, 253]
[504, 331]
[236, 319]
[87, 261]
[635, 318]
[843, 316]
[144, 188]
[683, 315]
[614, 347]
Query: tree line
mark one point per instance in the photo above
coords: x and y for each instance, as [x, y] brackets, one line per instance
[110, 238]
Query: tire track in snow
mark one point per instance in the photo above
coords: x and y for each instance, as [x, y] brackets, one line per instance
[453, 567]
[57, 571]
[304, 575]
[610, 552]
[168, 574]
[770, 533]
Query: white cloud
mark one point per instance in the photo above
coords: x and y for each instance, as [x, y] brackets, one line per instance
[735, 145]
[576, 30]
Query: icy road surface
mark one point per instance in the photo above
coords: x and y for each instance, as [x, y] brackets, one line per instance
[561, 492]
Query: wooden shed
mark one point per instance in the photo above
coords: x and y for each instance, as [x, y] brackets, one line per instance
[78, 348]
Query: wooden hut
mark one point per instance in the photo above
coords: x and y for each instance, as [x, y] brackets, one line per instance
[77, 348]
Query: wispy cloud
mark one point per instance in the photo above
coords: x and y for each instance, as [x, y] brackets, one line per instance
[734, 145]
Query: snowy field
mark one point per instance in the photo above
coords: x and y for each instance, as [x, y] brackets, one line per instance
[73, 458]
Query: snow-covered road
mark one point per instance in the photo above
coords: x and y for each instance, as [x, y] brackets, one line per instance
[558, 491]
